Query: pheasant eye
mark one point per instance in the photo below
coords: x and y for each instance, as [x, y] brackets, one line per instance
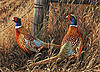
[15, 18]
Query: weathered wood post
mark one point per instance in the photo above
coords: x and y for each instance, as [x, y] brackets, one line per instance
[39, 12]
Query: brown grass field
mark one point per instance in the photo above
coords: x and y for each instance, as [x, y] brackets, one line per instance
[88, 18]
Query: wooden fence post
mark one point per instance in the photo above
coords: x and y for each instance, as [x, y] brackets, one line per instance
[39, 12]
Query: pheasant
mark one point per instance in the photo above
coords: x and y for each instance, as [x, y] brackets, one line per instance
[71, 45]
[73, 35]
[27, 42]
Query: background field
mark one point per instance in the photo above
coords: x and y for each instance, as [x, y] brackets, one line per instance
[88, 17]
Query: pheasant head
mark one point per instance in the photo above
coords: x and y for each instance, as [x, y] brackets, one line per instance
[17, 21]
[72, 19]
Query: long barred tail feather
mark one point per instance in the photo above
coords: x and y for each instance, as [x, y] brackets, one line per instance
[51, 44]
[48, 60]
[63, 54]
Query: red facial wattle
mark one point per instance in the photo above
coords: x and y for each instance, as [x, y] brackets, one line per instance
[15, 19]
[69, 17]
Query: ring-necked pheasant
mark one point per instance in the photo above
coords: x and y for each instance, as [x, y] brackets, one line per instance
[25, 40]
[71, 45]
[73, 35]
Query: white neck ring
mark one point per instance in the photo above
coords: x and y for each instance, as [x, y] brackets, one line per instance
[74, 25]
[18, 27]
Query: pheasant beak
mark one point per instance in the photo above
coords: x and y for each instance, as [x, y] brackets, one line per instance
[66, 16]
[13, 20]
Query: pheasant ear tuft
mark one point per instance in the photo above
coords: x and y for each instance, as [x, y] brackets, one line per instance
[15, 18]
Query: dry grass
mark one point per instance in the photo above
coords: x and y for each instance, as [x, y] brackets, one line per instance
[88, 21]
[16, 8]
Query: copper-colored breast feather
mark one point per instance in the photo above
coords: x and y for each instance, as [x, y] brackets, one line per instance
[23, 33]
[22, 41]
[73, 35]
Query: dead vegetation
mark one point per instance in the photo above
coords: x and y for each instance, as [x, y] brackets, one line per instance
[7, 36]
[88, 21]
